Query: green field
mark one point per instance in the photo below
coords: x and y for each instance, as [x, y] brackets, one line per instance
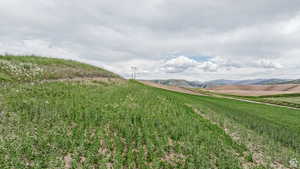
[125, 124]
[289, 98]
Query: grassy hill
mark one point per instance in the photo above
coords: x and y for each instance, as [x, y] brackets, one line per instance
[33, 68]
[103, 124]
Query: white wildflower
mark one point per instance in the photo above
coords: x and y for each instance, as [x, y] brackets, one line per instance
[294, 163]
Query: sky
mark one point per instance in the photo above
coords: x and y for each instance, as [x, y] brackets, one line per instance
[191, 39]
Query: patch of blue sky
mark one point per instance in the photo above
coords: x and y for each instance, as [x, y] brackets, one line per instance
[198, 58]
[201, 58]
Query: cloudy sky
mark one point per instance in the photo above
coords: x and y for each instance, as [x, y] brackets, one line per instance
[191, 39]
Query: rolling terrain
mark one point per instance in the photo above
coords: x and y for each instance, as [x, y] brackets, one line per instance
[81, 116]
[222, 82]
[179, 83]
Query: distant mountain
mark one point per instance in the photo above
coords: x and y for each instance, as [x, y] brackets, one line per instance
[222, 82]
[180, 83]
[297, 81]
[219, 82]
[262, 81]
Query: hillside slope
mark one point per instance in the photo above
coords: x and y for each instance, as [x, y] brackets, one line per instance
[32, 68]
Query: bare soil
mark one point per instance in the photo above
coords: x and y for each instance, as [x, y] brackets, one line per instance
[171, 88]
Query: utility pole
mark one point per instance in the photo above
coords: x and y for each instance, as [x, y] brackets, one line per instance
[134, 69]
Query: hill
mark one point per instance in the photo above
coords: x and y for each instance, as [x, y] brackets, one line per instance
[33, 68]
[179, 83]
[291, 82]
[245, 82]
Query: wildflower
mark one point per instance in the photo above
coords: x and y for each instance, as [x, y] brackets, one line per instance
[294, 163]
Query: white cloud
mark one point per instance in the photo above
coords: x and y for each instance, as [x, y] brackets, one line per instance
[37, 47]
[236, 35]
[268, 64]
[178, 64]
[209, 67]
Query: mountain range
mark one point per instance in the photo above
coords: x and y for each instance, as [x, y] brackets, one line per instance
[222, 82]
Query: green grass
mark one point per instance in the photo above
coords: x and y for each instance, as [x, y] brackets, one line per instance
[280, 124]
[129, 125]
[34, 68]
[289, 100]
[295, 100]
[123, 125]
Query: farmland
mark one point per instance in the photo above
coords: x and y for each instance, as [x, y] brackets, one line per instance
[257, 90]
[288, 100]
[294, 99]
[108, 125]
[92, 123]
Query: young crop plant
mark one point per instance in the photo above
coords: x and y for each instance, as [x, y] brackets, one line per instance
[67, 118]
[90, 125]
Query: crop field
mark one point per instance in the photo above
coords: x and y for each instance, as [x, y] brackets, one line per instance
[98, 125]
[126, 124]
[285, 98]
[289, 100]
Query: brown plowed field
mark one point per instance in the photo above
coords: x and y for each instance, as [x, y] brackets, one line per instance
[171, 88]
[257, 90]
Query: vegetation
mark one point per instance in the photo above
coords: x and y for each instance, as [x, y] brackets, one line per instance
[295, 100]
[102, 125]
[125, 124]
[289, 100]
[279, 123]
[33, 68]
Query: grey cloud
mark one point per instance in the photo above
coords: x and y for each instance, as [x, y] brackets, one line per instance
[115, 32]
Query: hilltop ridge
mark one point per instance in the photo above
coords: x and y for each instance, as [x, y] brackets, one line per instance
[33, 68]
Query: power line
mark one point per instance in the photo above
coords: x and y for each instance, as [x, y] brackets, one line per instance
[134, 70]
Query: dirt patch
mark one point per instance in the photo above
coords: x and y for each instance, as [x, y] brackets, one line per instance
[171, 88]
[173, 158]
[68, 161]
